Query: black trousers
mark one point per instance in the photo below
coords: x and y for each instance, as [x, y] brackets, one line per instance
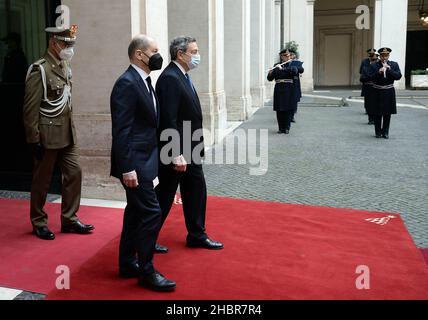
[284, 119]
[193, 194]
[141, 226]
[382, 123]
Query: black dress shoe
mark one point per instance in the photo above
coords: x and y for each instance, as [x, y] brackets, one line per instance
[293, 120]
[129, 271]
[206, 244]
[280, 132]
[385, 136]
[157, 282]
[287, 131]
[378, 136]
[77, 227]
[44, 233]
[160, 249]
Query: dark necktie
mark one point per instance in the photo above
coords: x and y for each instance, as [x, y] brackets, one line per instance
[151, 91]
[190, 83]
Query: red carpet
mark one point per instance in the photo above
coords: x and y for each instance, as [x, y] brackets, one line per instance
[272, 251]
[30, 264]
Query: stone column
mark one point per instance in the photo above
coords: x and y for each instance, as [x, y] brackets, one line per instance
[258, 52]
[154, 22]
[237, 58]
[286, 13]
[392, 33]
[204, 20]
[271, 54]
[301, 29]
[278, 31]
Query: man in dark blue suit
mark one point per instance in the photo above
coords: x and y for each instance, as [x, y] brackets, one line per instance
[181, 113]
[134, 161]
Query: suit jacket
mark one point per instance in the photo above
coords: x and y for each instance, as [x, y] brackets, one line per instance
[180, 103]
[134, 128]
[52, 133]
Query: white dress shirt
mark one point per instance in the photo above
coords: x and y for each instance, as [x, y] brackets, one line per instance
[180, 67]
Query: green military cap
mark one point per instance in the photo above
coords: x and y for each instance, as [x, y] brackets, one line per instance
[64, 34]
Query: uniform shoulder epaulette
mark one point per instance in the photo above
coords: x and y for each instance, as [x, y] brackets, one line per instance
[35, 68]
[40, 61]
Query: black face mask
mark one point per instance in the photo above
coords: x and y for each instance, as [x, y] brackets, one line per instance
[155, 61]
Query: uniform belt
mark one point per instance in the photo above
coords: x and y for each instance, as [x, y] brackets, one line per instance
[389, 86]
[370, 83]
[284, 81]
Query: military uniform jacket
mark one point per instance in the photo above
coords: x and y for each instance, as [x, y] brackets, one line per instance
[285, 94]
[52, 132]
[383, 88]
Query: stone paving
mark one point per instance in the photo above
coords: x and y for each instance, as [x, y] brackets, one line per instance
[331, 158]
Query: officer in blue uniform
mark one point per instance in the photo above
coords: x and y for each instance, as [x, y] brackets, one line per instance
[285, 94]
[383, 74]
[367, 88]
[297, 86]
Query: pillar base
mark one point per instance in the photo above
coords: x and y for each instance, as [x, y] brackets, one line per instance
[307, 84]
[238, 108]
[215, 115]
[258, 96]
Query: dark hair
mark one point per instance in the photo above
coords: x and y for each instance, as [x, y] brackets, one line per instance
[179, 43]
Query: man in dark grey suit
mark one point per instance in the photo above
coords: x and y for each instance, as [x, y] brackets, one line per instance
[181, 112]
[134, 161]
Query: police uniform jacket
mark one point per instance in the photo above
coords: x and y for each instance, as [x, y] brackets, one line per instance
[367, 84]
[285, 94]
[297, 86]
[383, 86]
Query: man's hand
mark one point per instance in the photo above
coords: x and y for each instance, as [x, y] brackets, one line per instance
[180, 164]
[37, 150]
[130, 179]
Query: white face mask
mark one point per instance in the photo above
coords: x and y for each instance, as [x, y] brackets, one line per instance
[67, 53]
[195, 60]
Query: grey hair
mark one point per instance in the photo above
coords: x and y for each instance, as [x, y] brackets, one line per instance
[179, 43]
[139, 42]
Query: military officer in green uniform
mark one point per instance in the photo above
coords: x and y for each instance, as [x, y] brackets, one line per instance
[51, 133]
